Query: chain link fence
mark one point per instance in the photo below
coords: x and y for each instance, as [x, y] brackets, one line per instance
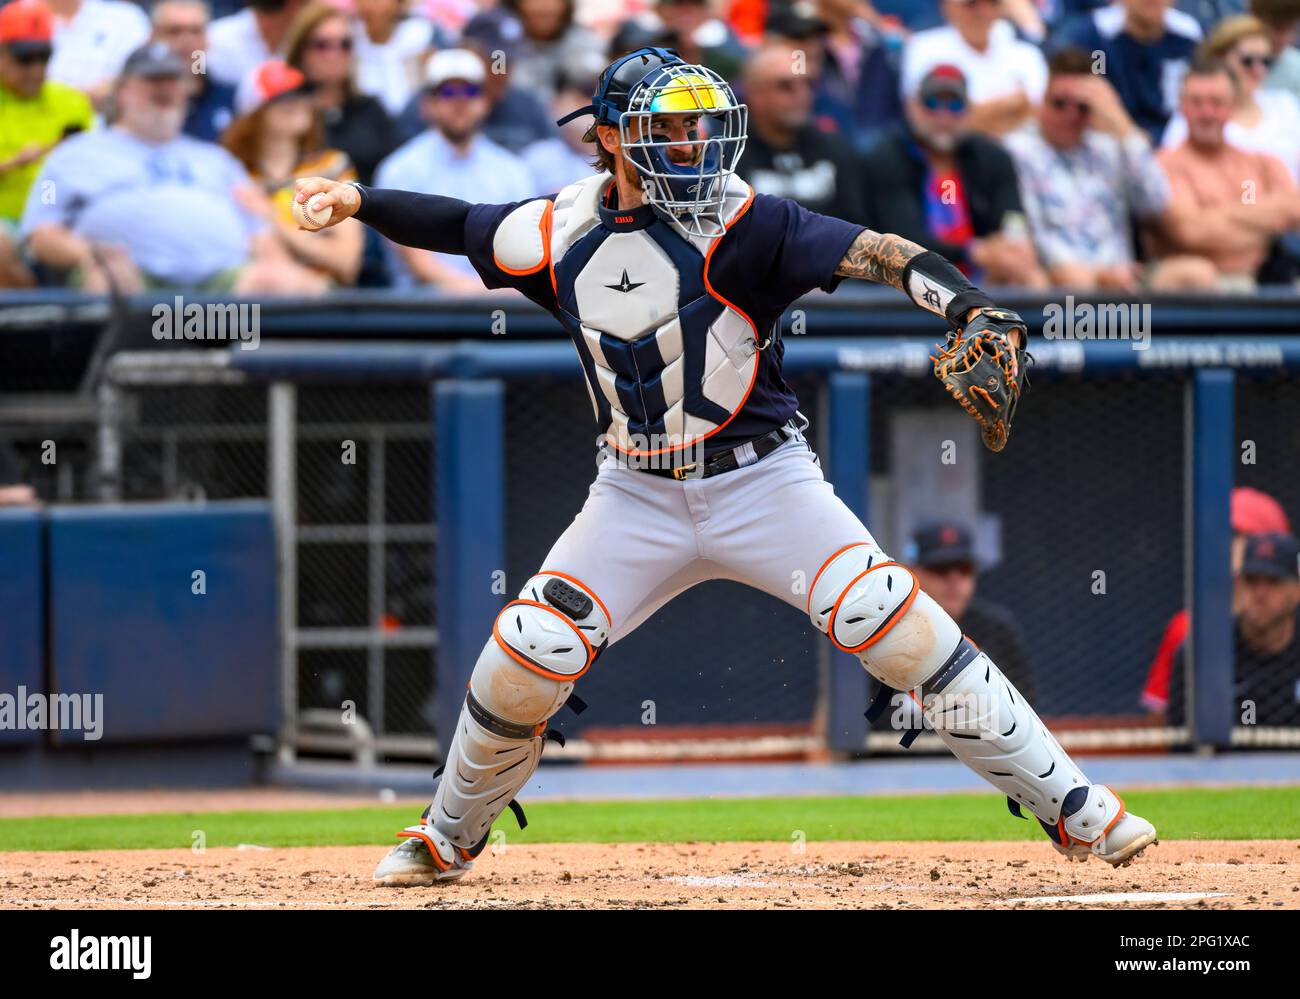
[358, 538]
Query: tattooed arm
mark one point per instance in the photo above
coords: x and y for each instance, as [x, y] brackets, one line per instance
[879, 257]
[924, 276]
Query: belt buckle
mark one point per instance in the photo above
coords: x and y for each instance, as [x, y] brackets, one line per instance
[683, 471]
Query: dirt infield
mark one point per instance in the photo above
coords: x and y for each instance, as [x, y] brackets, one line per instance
[1206, 874]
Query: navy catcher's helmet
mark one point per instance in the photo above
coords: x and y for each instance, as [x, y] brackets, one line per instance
[648, 84]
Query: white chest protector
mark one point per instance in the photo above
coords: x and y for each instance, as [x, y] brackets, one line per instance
[668, 361]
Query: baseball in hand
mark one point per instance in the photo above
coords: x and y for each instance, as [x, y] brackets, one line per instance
[307, 215]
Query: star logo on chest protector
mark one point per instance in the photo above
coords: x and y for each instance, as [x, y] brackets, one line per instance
[625, 285]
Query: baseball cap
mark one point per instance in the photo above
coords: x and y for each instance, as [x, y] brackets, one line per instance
[269, 81]
[26, 26]
[1272, 554]
[798, 21]
[453, 64]
[944, 80]
[494, 31]
[155, 61]
[1255, 512]
[943, 542]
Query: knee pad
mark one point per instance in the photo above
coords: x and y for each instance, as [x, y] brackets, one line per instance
[541, 643]
[873, 607]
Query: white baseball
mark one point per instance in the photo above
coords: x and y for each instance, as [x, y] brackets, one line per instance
[310, 217]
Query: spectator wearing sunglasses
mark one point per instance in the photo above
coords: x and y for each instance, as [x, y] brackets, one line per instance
[1005, 76]
[452, 158]
[36, 114]
[850, 64]
[518, 117]
[1146, 45]
[1085, 168]
[1267, 121]
[937, 183]
[320, 45]
[945, 566]
[182, 25]
[786, 155]
[240, 42]
[1280, 19]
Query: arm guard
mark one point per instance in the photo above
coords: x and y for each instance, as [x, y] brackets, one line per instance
[935, 284]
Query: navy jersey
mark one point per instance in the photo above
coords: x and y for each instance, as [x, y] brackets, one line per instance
[674, 333]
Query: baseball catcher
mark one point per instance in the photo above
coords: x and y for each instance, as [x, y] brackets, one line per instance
[670, 276]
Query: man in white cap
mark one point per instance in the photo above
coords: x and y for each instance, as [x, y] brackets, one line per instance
[452, 158]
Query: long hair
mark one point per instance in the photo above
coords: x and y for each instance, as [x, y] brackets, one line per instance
[1228, 32]
[243, 138]
[300, 31]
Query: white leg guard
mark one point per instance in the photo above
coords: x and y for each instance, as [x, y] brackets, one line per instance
[873, 607]
[981, 717]
[540, 644]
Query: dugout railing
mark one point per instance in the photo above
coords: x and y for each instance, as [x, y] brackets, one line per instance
[1107, 513]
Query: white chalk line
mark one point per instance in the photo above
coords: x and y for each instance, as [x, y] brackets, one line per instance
[1125, 896]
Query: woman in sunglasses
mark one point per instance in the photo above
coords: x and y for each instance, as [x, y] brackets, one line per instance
[1263, 120]
[320, 45]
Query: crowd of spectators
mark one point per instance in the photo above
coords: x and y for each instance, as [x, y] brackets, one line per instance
[1037, 143]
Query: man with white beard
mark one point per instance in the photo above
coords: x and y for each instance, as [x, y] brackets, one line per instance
[139, 205]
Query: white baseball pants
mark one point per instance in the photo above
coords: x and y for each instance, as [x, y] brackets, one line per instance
[641, 539]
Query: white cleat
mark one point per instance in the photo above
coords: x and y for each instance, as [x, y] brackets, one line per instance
[425, 857]
[1101, 827]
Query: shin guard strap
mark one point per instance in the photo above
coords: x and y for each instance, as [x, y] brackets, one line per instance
[961, 656]
[499, 726]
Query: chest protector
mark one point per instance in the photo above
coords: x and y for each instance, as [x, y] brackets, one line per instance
[668, 361]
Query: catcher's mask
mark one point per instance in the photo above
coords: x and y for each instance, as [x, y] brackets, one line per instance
[634, 93]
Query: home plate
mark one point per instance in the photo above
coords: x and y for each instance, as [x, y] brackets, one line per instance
[1127, 896]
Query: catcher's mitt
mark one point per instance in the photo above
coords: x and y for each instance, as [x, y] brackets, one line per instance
[985, 373]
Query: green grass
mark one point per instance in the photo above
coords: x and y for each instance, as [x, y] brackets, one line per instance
[1238, 813]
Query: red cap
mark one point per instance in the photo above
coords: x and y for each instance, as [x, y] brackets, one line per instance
[26, 21]
[271, 80]
[1254, 512]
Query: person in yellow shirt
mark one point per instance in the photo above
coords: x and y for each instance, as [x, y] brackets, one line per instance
[36, 114]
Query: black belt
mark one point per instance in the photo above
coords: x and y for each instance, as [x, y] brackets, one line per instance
[724, 461]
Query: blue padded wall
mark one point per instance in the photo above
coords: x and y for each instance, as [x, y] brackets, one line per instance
[171, 664]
